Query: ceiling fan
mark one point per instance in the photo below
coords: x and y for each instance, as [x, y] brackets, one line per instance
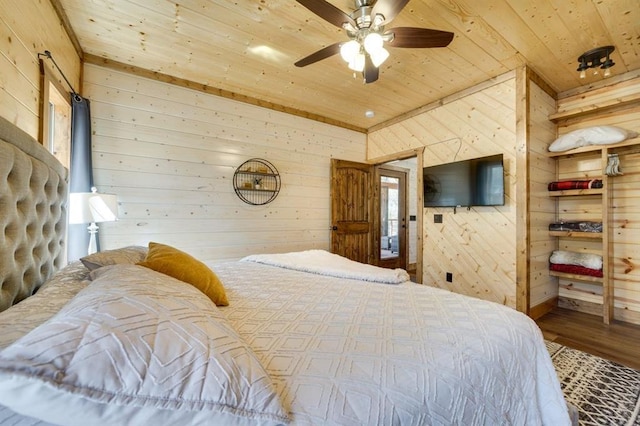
[365, 51]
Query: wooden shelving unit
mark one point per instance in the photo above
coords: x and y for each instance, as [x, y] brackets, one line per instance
[609, 103]
[606, 236]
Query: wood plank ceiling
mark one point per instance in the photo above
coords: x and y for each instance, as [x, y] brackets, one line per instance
[248, 47]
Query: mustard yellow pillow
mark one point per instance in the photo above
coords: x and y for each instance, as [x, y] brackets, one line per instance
[184, 267]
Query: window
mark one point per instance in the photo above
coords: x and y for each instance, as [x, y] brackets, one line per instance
[55, 117]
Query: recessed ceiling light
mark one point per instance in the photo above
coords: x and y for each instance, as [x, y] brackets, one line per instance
[369, 114]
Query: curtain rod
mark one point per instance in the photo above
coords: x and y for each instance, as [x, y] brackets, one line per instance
[47, 54]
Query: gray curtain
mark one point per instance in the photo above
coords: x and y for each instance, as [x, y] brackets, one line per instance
[81, 172]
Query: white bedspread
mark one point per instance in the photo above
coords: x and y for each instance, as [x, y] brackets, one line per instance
[358, 353]
[324, 263]
[346, 352]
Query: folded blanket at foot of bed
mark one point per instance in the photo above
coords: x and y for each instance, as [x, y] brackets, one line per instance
[575, 184]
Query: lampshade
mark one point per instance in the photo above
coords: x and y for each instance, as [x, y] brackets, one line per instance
[88, 207]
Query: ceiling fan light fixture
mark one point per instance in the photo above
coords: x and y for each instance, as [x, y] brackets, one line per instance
[365, 27]
[349, 50]
[378, 57]
[378, 20]
[373, 42]
[357, 64]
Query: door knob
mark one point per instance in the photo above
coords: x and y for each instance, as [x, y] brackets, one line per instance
[334, 228]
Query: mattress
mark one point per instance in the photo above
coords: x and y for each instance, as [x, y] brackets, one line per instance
[342, 351]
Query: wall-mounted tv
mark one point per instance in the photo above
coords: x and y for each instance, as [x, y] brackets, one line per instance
[475, 182]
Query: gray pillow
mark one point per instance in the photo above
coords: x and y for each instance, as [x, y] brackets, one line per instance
[126, 255]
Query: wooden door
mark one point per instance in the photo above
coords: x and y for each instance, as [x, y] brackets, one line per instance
[392, 207]
[352, 199]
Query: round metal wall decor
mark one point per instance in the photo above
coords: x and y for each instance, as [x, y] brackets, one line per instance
[256, 182]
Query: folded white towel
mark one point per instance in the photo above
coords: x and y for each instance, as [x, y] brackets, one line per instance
[588, 260]
[324, 263]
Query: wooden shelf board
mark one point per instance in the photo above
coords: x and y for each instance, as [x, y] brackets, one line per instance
[245, 172]
[594, 148]
[596, 108]
[574, 192]
[577, 234]
[586, 278]
[256, 189]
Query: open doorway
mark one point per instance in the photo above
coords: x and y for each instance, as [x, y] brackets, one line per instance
[412, 162]
[356, 229]
[392, 182]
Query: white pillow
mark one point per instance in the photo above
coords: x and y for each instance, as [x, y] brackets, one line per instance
[596, 135]
[137, 347]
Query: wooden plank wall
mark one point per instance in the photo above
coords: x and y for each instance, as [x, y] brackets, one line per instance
[20, 42]
[626, 190]
[477, 246]
[543, 288]
[170, 152]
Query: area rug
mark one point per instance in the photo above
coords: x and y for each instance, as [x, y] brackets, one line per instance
[606, 393]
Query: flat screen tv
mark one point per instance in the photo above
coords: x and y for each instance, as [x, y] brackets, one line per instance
[475, 182]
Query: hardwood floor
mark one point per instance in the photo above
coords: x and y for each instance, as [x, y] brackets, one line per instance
[618, 341]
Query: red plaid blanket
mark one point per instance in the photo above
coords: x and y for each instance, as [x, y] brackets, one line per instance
[575, 184]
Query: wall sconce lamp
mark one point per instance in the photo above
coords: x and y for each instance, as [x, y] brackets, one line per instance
[594, 59]
[91, 207]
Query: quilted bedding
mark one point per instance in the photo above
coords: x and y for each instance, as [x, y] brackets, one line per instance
[350, 352]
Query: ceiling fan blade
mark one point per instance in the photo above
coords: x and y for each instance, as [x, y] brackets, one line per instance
[388, 8]
[419, 37]
[328, 12]
[321, 54]
[370, 72]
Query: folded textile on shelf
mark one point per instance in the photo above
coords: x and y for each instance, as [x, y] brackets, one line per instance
[588, 260]
[580, 226]
[576, 269]
[575, 184]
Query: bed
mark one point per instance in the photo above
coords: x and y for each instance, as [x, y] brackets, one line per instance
[303, 338]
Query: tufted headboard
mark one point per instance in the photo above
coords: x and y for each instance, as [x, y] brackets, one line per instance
[33, 196]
